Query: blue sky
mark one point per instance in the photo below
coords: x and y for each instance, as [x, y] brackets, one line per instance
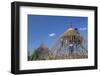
[46, 29]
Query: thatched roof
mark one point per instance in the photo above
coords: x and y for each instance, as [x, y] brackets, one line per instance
[71, 32]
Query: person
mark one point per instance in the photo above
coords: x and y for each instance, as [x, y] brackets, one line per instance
[71, 48]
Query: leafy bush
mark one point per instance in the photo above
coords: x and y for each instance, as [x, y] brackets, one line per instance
[34, 56]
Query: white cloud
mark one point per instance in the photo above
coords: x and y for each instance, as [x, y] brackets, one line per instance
[52, 34]
[83, 29]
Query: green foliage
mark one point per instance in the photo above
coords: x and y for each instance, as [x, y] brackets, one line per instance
[33, 56]
[29, 58]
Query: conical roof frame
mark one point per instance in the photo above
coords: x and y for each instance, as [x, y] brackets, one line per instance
[71, 31]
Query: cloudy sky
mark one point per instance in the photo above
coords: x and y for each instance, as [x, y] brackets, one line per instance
[46, 29]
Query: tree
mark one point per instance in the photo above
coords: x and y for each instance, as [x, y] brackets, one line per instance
[34, 55]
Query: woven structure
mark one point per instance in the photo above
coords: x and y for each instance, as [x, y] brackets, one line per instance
[69, 46]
